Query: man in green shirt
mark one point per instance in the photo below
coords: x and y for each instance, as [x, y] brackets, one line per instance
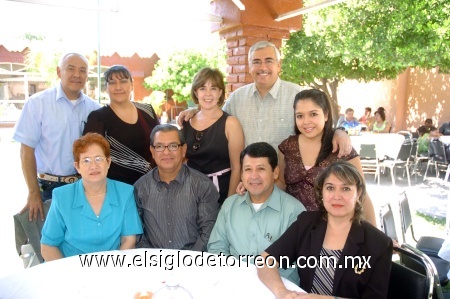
[248, 224]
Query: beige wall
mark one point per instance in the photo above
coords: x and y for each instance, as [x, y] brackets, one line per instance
[411, 98]
[428, 96]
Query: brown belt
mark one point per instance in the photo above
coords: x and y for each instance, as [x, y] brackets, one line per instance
[60, 179]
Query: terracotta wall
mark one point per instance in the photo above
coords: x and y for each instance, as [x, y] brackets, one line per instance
[140, 68]
[428, 96]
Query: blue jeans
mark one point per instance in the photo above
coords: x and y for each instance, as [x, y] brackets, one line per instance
[46, 188]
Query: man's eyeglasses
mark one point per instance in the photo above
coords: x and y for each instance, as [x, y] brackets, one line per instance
[173, 147]
[89, 160]
[259, 62]
[198, 138]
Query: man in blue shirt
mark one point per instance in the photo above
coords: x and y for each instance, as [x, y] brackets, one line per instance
[50, 122]
[250, 223]
[348, 120]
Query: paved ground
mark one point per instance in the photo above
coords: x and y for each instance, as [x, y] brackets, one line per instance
[429, 197]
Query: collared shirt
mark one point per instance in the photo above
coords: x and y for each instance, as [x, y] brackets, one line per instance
[342, 122]
[269, 119]
[240, 230]
[50, 124]
[178, 215]
[72, 225]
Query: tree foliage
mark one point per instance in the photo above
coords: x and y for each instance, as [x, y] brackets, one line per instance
[368, 40]
[41, 57]
[177, 70]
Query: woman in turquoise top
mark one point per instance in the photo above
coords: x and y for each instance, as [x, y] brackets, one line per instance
[93, 214]
[380, 125]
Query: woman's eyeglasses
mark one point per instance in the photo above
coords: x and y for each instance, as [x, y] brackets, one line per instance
[198, 138]
[89, 160]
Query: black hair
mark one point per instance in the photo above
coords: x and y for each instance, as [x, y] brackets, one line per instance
[261, 150]
[321, 100]
[121, 72]
[166, 128]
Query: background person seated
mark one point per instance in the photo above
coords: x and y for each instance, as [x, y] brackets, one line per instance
[380, 124]
[248, 224]
[93, 214]
[336, 230]
[367, 116]
[434, 134]
[445, 129]
[423, 141]
[348, 120]
[428, 126]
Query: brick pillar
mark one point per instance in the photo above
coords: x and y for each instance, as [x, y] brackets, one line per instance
[241, 29]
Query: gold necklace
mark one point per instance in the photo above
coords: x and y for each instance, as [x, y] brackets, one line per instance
[91, 195]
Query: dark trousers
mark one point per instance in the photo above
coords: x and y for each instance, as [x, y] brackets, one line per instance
[46, 188]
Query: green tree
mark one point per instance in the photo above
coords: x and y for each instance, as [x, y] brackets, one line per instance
[367, 40]
[42, 57]
[177, 70]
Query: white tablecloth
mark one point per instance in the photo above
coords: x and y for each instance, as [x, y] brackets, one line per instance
[386, 144]
[66, 278]
[445, 139]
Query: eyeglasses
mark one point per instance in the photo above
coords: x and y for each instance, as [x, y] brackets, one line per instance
[89, 160]
[259, 62]
[198, 137]
[173, 147]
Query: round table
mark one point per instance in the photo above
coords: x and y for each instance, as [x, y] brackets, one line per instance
[388, 144]
[131, 271]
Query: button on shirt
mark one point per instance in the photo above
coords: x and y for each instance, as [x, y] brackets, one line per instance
[50, 124]
[269, 119]
[178, 215]
[240, 230]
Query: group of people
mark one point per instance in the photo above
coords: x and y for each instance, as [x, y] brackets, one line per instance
[375, 124]
[307, 199]
[428, 132]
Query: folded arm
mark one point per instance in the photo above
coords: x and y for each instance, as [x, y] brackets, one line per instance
[341, 141]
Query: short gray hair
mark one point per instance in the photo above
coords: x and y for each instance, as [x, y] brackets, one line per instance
[166, 128]
[261, 45]
[64, 57]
